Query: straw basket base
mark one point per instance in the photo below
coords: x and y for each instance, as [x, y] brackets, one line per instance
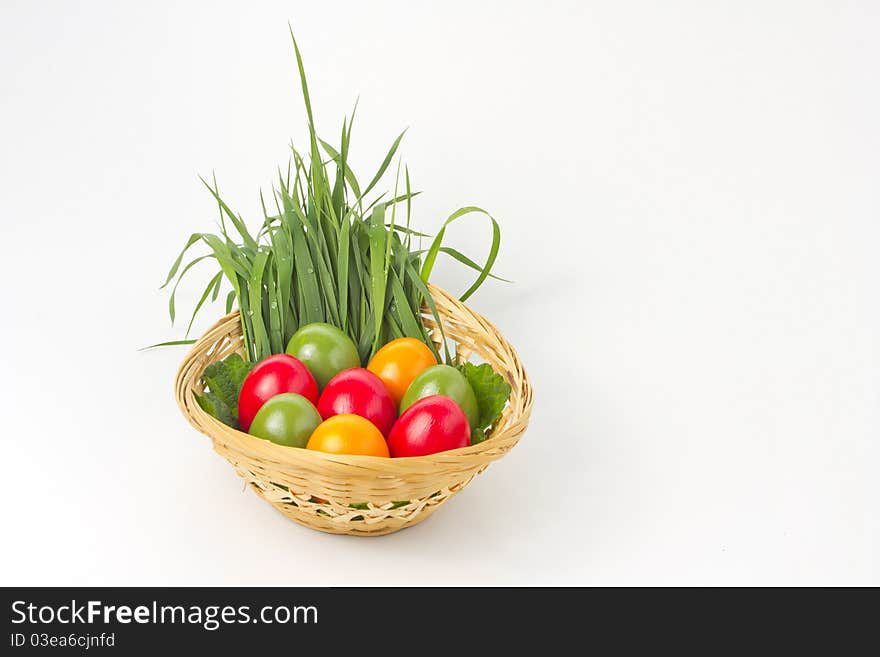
[379, 526]
[365, 520]
[361, 495]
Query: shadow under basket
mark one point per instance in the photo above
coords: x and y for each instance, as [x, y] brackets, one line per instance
[361, 495]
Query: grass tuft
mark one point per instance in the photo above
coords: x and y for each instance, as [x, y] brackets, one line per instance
[326, 254]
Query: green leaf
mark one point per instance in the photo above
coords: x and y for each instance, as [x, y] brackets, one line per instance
[216, 407]
[492, 393]
[223, 381]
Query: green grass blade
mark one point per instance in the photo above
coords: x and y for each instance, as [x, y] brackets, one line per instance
[339, 184]
[431, 255]
[283, 271]
[223, 254]
[236, 220]
[409, 232]
[358, 277]
[347, 172]
[310, 304]
[316, 168]
[343, 250]
[490, 260]
[305, 86]
[385, 163]
[255, 301]
[409, 198]
[388, 234]
[195, 237]
[180, 278]
[434, 249]
[236, 275]
[170, 343]
[214, 282]
[276, 329]
[413, 276]
[402, 309]
[377, 236]
[391, 329]
[320, 269]
[463, 259]
[403, 197]
[219, 205]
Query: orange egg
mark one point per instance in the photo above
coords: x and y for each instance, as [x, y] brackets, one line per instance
[399, 362]
[348, 434]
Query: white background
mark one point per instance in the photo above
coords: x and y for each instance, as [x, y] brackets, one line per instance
[689, 198]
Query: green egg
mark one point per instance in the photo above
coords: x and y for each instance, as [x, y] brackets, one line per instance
[287, 419]
[447, 381]
[324, 349]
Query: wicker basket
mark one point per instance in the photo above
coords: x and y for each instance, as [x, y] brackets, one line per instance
[361, 495]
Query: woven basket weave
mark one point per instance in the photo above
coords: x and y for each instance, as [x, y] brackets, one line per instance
[317, 489]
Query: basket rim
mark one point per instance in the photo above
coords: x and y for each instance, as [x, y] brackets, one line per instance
[493, 447]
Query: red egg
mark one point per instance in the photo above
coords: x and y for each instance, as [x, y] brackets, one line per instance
[358, 391]
[272, 376]
[432, 424]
